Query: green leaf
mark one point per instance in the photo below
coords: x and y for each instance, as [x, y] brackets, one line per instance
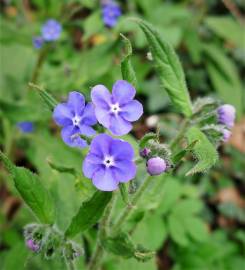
[187, 207]
[196, 228]
[124, 192]
[120, 245]
[47, 98]
[203, 150]
[177, 157]
[128, 73]
[32, 191]
[177, 230]
[62, 169]
[169, 69]
[226, 27]
[224, 77]
[89, 213]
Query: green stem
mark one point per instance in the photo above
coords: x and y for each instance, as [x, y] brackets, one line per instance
[181, 133]
[103, 230]
[128, 209]
[40, 60]
[70, 265]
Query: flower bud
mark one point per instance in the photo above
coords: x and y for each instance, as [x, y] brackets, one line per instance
[226, 115]
[226, 135]
[156, 166]
[30, 243]
[145, 152]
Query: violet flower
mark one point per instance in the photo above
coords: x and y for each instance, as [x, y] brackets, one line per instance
[51, 30]
[109, 162]
[38, 42]
[26, 126]
[226, 115]
[226, 135]
[111, 11]
[75, 118]
[156, 166]
[115, 111]
[32, 245]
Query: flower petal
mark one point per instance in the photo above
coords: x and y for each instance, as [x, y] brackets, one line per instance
[91, 164]
[104, 180]
[103, 116]
[100, 145]
[77, 102]
[121, 150]
[124, 170]
[132, 111]
[123, 92]
[119, 126]
[101, 97]
[89, 117]
[86, 130]
[70, 136]
[62, 115]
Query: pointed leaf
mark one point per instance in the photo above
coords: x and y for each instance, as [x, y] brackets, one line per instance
[203, 150]
[89, 213]
[32, 191]
[169, 69]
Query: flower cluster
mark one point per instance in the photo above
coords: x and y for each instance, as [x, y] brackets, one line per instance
[50, 31]
[226, 115]
[111, 11]
[110, 160]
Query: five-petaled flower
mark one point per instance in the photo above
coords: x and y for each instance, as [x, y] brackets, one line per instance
[51, 30]
[115, 111]
[111, 11]
[76, 118]
[109, 162]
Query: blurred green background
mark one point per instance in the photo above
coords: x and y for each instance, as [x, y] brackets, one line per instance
[209, 38]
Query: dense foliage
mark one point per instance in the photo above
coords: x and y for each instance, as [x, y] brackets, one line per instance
[147, 176]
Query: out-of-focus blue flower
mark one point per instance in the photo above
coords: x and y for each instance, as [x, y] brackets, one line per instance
[38, 42]
[26, 127]
[111, 11]
[226, 115]
[109, 162]
[51, 30]
[116, 111]
[156, 166]
[76, 118]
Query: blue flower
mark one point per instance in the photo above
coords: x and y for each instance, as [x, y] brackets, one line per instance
[75, 118]
[109, 162]
[111, 11]
[116, 111]
[26, 127]
[51, 30]
[37, 42]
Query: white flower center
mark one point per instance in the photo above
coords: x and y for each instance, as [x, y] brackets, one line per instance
[108, 161]
[115, 108]
[76, 120]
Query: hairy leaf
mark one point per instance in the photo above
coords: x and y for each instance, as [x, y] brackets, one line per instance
[47, 98]
[89, 213]
[169, 69]
[127, 69]
[120, 245]
[203, 150]
[32, 191]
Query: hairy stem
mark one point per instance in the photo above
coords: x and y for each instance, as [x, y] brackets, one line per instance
[70, 265]
[103, 230]
[128, 209]
[180, 135]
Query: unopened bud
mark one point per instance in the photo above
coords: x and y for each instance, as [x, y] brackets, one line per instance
[156, 166]
[145, 152]
[226, 115]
